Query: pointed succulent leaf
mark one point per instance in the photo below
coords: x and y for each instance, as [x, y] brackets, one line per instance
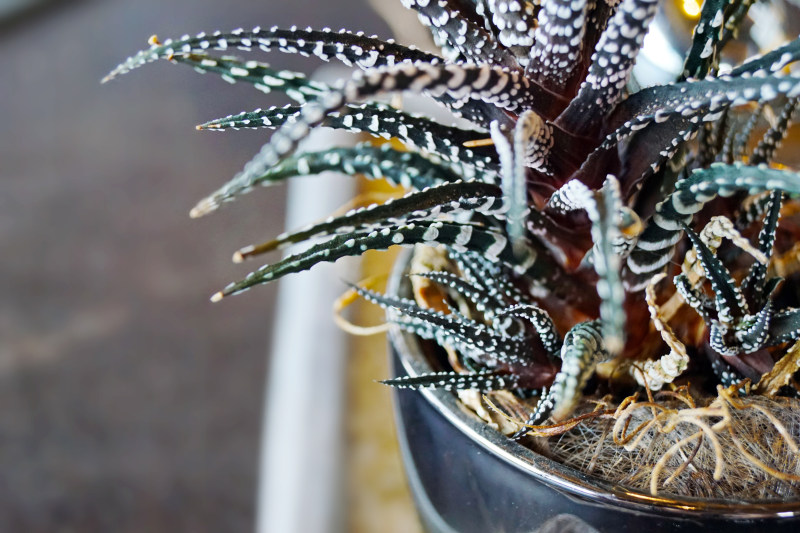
[427, 204]
[648, 152]
[481, 381]
[611, 66]
[665, 228]
[784, 327]
[599, 14]
[407, 169]
[754, 337]
[507, 89]
[447, 19]
[583, 348]
[542, 411]
[515, 21]
[773, 137]
[491, 276]
[605, 217]
[739, 138]
[541, 322]
[460, 235]
[379, 120]
[695, 298]
[231, 69]
[555, 56]
[706, 39]
[754, 284]
[366, 52]
[513, 175]
[735, 14]
[476, 340]
[728, 299]
[528, 261]
[770, 63]
[604, 208]
[701, 100]
[484, 301]
[350, 48]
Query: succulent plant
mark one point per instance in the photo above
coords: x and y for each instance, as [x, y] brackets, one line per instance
[565, 204]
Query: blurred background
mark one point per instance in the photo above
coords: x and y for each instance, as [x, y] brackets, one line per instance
[129, 402]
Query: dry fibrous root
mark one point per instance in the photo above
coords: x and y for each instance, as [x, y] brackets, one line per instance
[732, 441]
[675, 442]
[500, 410]
[653, 374]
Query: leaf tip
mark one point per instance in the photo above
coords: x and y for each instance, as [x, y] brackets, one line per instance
[244, 253]
[203, 207]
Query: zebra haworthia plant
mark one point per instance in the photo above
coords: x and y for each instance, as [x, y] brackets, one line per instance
[572, 196]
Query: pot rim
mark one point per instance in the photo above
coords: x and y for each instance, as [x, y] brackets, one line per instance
[549, 471]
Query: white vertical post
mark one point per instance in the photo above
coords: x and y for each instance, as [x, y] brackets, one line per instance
[301, 479]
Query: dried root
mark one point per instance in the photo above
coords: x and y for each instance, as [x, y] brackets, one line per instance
[654, 374]
[674, 443]
[730, 446]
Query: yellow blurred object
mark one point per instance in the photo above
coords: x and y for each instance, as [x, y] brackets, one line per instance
[691, 8]
[479, 142]
[378, 497]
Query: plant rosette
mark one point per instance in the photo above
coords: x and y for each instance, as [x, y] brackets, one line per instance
[617, 279]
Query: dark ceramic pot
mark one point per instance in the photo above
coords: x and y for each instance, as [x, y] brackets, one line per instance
[466, 477]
